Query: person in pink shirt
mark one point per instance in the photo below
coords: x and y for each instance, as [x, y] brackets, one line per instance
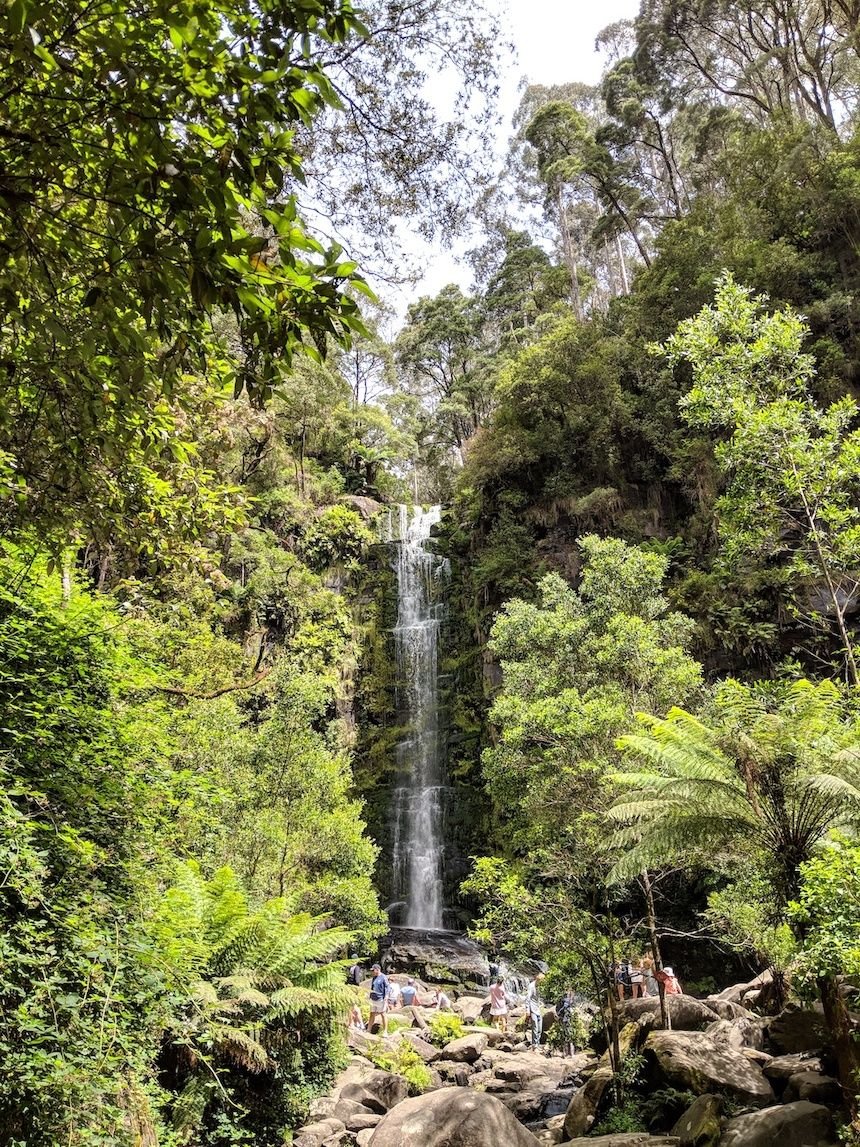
[499, 1004]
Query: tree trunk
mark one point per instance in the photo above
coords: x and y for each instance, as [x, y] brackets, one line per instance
[651, 922]
[845, 1047]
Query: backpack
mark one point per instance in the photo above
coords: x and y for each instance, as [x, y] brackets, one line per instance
[354, 974]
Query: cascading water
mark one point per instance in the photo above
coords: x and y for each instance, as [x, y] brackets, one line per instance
[418, 804]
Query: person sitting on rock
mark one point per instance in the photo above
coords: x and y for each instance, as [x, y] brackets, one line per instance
[499, 1004]
[409, 991]
[394, 994]
[534, 1010]
[440, 1003]
[378, 1000]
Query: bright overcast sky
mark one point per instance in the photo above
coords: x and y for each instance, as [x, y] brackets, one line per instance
[554, 42]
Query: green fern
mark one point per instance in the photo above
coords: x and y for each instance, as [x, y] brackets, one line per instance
[777, 771]
[263, 990]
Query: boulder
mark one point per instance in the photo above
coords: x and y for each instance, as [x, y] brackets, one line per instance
[585, 1105]
[426, 1050]
[685, 1013]
[363, 1138]
[781, 1068]
[362, 1042]
[456, 1073]
[528, 1105]
[692, 1060]
[814, 1086]
[699, 1126]
[495, 1038]
[798, 1029]
[800, 1124]
[317, 1134]
[519, 1074]
[362, 1122]
[347, 1109]
[727, 1010]
[452, 1118]
[440, 957]
[737, 993]
[467, 1049]
[470, 1008]
[740, 1032]
[629, 1039]
[381, 1091]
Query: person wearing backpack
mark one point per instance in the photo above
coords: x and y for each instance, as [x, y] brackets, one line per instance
[355, 972]
[378, 1000]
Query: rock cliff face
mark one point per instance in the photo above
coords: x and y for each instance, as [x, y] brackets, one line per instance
[440, 957]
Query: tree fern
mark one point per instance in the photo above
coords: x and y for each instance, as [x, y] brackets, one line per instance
[777, 769]
[262, 988]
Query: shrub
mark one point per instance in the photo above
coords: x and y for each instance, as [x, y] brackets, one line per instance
[404, 1060]
[444, 1027]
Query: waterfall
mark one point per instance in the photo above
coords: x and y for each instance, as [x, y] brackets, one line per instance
[418, 801]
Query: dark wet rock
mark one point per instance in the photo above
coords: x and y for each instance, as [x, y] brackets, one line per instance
[798, 1029]
[814, 1086]
[438, 957]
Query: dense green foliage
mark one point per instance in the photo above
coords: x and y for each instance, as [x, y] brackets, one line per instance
[642, 419]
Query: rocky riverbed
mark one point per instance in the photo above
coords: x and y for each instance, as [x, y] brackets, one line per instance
[742, 1080]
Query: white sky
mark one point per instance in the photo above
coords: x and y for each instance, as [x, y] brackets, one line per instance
[554, 41]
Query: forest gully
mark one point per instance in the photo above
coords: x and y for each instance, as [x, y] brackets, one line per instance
[429, 710]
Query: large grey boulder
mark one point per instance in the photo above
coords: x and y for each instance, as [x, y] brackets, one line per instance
[699, 1126]
[692, 1060]
[685, 1013]
[585, 1104]
[452, 1117]
[800, 1124]
[471, 1008]
[381, 1091]
[467, 1049]
[740, 1032]
[437, 957]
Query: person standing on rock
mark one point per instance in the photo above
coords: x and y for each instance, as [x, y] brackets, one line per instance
[378, 1000]
[409, 992]
[534, 1010]
[669, 981]
[499, 1004]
